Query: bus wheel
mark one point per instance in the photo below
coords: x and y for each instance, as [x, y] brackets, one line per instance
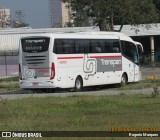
[78, 84]
[123, 79]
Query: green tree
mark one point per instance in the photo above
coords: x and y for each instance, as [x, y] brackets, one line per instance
[107, 13]
[157, 4]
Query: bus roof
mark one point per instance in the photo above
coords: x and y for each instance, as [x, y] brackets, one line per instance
[83, 35]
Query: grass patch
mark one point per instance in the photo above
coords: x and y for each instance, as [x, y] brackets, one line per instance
[10, 79]
[141, 85]
[10, 83]
[86, 113]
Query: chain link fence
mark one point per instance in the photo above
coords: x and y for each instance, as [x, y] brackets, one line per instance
[8, 64]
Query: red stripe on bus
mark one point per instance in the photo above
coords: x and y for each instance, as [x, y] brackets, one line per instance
[77, 57]
[105, 56]
[40, 68]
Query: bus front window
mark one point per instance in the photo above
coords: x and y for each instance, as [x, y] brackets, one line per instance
[135, 55]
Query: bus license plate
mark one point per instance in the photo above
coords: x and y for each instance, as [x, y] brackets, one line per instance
[35, 83]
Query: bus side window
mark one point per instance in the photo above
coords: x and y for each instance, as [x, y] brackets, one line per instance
[97, 50]
[102, 44]
[79, 46]
[107, 46]
[68, 46]
[82, 46]
[58, 47]
[112, 46]
[64, 46]
[116, 46]
[87, 44]
[95, 46]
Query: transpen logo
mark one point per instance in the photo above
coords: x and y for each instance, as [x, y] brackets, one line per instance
[28, 73]
[89, 66]
[111, 62]
[35, 41]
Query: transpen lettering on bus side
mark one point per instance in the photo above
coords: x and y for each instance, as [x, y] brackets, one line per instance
[77, 60]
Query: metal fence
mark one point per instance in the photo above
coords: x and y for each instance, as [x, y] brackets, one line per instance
[8, 64]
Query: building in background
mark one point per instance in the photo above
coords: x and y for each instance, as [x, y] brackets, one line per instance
[66, 14]
[59, 13]
[5, 17]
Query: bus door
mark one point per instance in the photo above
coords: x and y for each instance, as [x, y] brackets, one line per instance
[137, 54]
[131, 53]
[136, 66]
[131, 71]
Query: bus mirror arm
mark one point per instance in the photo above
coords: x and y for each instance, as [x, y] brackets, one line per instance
[140, 47]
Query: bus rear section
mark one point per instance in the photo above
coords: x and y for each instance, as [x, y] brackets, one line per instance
[35, 69]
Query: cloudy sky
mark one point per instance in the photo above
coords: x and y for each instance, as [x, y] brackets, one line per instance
[36, 11]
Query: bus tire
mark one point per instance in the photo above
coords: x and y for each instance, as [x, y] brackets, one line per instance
[124, 79]
[78, 84]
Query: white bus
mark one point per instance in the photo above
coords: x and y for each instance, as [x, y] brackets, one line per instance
[77, 60]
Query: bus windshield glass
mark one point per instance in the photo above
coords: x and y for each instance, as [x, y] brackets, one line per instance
[35, 45]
